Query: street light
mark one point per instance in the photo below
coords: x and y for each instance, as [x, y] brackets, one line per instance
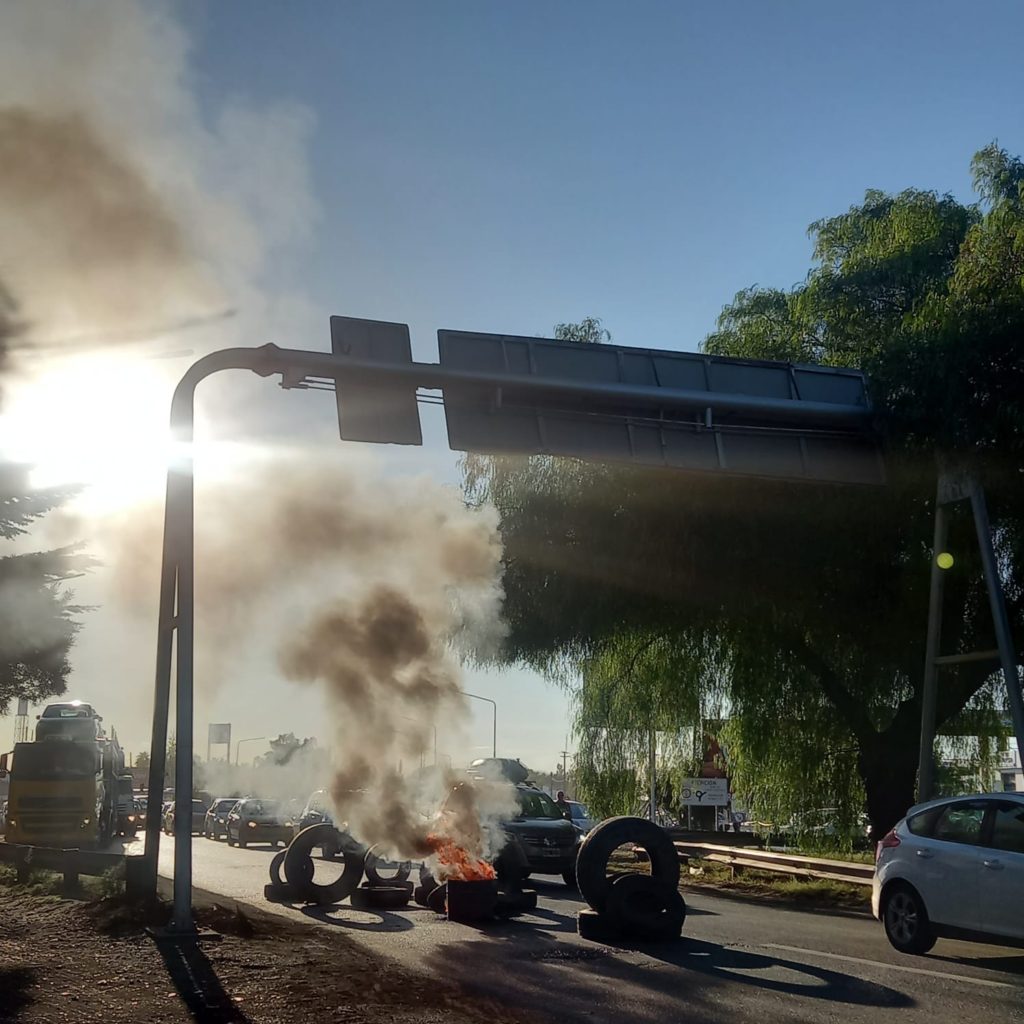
[494, 705]
[249, 739]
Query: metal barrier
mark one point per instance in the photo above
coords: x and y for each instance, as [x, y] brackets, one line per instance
[786, 863]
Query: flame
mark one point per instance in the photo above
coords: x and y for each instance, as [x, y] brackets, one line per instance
[455, 862]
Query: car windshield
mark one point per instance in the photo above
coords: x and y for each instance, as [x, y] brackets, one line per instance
[223, 806]
[262, 808]
[537, 805]
[68, 711]
[578, 811]
[198, 807]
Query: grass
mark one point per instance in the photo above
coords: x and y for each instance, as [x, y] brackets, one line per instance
[50, 884]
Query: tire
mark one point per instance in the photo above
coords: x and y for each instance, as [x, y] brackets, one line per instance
[438, 898]
[241, 842]
[644, 908]
[596, 849]
[298, 864]
[569, 877]
[905, 920]
[373, 862]
[595, 927]
[381, 897]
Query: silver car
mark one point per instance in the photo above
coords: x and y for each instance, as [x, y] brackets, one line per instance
[952, 867]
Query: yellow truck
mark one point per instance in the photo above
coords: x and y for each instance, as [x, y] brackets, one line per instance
[62, 794]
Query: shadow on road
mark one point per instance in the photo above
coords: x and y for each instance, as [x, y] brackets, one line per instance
[197, 983]
[343, 916]
[523, 967]
[1010, 963]
[15, 983]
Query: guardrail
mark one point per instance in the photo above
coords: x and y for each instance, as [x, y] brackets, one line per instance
[787, 863]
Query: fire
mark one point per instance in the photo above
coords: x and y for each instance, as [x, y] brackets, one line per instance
[455, 862]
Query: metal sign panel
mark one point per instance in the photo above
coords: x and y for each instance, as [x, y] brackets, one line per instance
[704, 793]
[725, 415]
[372, 411]
[220, 733]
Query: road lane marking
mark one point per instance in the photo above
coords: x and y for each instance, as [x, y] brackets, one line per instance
[894, 967]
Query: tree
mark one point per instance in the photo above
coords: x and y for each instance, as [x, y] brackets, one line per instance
[37, 614]
[142, 760]
[798, 611]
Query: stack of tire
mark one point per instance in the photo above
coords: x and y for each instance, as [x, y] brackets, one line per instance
[296, 862]
[631, 906]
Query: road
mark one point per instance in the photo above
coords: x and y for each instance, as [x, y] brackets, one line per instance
[739, 962]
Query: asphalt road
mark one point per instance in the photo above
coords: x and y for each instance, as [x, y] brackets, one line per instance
[739, 961]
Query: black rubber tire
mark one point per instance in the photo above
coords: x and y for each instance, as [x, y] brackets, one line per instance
[277, 865]
[241, 842]
[421, 894]
[381, 897]
[297, 863]
[569, 877]
[438, 898]
[373, 861]
[905, 919]
[510, 904]
[592, 859]
[596, 927]
[644, 908]
[427, 880]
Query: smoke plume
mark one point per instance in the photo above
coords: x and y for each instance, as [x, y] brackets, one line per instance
[371, 587]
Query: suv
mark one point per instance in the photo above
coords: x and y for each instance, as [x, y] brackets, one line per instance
[540, 840]
[952, 867]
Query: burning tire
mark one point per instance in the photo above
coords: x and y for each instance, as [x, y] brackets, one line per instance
[595, 851]
[472, 900]
[298, 868]
[645, 908]
[374, 860]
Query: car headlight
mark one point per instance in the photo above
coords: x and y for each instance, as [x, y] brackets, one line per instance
[86, 821]
[131, 817]
[289, 824]
[252, 824]
[11, 821]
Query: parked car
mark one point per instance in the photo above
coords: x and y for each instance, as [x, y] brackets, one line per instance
[580, 816]
[216, 822]
[952, 867]
[539, 840]
[198, 817]
[258, 821]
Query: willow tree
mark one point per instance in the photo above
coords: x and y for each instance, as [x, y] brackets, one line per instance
[811, 599]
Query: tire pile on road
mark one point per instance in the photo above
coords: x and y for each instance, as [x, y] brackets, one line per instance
[380, 892]
[631, 906]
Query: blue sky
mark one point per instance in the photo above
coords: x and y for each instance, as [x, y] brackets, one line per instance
[505, 166]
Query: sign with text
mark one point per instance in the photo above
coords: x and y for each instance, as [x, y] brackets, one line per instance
[705, 792]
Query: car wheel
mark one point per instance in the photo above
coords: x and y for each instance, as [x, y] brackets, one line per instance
[906, 921]
[241, 841]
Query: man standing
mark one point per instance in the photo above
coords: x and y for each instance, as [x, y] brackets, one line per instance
[563, 805]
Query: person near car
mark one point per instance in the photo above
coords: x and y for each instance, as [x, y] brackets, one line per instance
[563, 805]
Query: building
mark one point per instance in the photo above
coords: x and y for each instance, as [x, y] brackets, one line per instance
[1011, 774]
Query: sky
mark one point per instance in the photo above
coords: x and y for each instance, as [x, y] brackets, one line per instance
[504, 167]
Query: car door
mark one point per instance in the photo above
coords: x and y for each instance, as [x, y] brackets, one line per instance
[946, 864]
[1002, 876]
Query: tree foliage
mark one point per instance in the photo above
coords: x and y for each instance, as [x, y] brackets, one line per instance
[37, 614]
[798, 611]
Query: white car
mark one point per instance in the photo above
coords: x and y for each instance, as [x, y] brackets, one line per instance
[953, 867]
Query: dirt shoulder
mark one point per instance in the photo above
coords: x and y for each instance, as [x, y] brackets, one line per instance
[74, 961]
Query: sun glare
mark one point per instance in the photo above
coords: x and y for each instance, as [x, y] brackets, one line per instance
[99, 421]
